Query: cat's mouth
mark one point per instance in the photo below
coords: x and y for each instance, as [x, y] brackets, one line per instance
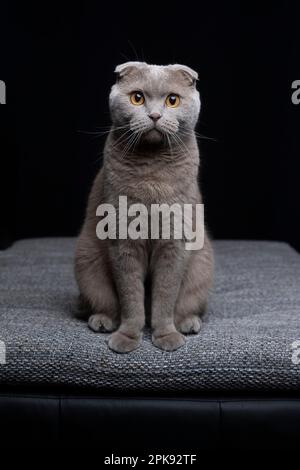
[153, 135]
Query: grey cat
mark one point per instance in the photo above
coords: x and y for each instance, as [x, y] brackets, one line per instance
[151, 156]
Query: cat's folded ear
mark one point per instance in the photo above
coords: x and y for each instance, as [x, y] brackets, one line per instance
[189, 74]
[128, 67]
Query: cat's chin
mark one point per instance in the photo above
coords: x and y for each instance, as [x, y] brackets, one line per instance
[154, 136]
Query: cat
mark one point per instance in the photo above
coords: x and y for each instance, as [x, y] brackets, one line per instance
[151, 156]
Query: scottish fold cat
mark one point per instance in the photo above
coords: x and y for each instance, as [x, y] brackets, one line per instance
[151, 156]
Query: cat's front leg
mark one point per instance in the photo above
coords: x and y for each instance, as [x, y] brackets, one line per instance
[129, 272]
[167, 266]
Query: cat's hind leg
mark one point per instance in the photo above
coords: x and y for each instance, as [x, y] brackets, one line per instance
[193, 294]
[98, 298]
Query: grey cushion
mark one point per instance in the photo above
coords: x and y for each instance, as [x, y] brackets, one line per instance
[245, 343]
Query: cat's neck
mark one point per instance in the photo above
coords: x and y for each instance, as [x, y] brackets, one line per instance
[170, 151]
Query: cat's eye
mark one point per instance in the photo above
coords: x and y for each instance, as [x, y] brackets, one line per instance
[137, 98]
[172, 101]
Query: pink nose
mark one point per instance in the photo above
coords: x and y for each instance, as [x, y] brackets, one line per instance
[155, 116]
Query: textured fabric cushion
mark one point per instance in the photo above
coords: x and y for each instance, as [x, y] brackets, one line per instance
[244, 345]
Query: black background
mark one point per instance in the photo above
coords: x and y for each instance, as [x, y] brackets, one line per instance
[58, 61]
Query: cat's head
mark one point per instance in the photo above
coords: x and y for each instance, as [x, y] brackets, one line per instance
[156, 101]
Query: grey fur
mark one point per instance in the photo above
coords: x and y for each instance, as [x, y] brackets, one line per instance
[149, 162]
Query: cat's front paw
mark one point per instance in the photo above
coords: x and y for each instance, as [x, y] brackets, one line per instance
[189, 324]
[169, 342]
[99, 322]
[121, 343]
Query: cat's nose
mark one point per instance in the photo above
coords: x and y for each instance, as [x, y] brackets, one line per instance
[155, 116]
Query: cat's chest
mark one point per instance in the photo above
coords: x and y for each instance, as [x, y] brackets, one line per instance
[151, 191]
[147, 188]
[150, 187]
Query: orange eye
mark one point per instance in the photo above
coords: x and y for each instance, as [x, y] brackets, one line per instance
[172, 101]
[137, 98]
